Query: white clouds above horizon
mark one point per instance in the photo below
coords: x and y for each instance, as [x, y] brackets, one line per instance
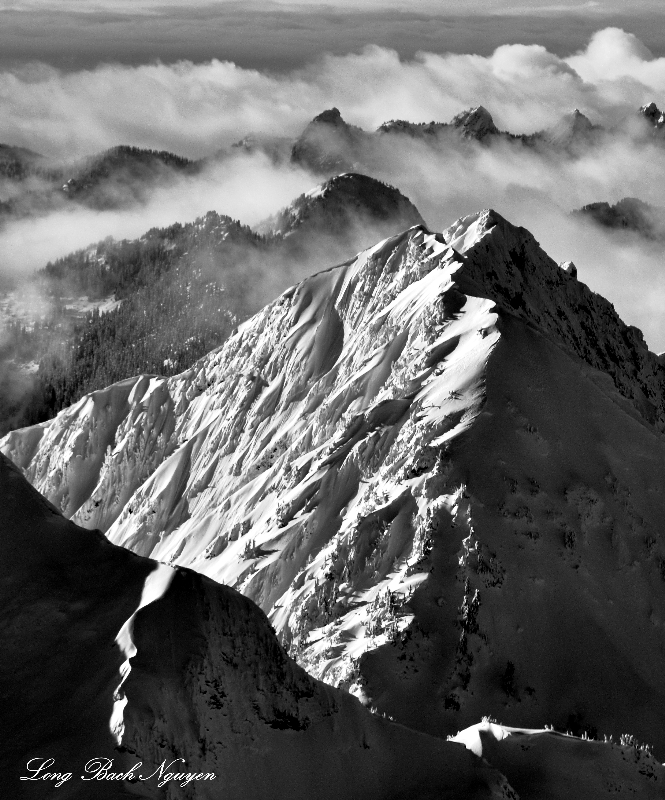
[194, 109]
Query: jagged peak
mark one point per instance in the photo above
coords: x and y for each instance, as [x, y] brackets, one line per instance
[653, 114]
[574, 122]
[330, 116]
[650, 109]
[476, 122]
[573, 128]
[579, 118]
[467, 231]
[569, 267]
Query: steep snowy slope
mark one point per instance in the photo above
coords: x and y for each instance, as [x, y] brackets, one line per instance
[206, 688]
[437, 468]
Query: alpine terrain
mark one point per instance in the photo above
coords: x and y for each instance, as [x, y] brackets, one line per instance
[438, 469]
[114, 665]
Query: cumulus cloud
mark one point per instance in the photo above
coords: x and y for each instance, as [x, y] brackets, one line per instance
[195, 108]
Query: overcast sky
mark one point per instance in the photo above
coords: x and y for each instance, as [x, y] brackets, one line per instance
[75, 34]
[430, 6]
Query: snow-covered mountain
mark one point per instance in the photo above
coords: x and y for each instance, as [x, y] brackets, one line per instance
[115, 665]
[437, 468]
[111, 656]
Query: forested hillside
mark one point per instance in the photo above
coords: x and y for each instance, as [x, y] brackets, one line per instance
[179, 292]
[176, 304]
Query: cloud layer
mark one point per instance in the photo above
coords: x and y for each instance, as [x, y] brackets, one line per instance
[194, 109]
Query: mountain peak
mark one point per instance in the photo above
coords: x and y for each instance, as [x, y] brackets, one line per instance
[572, 130]
[328, 144]
[577, 121]
[391, 459]
[475, 123]
[346, 201]
[331, 116]
[653, 115]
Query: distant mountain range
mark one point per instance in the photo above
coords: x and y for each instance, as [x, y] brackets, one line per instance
[124, 176]
[179, 292]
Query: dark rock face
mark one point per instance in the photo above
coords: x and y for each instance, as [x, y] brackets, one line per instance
[629, 214]
[476, 123]
[509, 266]
[653, 115]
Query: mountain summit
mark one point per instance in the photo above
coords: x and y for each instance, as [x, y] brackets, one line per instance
[436, 467]
[573, 132]
[328, 144]
[653, 115]
[476, 123]
[342, 203]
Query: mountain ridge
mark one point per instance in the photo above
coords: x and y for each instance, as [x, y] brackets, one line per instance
[207, 684]
[382, 461]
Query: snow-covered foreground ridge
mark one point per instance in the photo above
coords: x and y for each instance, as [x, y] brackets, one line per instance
[207, 691]
[208, 694]
[437, 468]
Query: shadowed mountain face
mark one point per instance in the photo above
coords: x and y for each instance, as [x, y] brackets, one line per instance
[629, 214]
[123, 176]
[653, 116]
[118, 178]
[328, 144]
[348, 208]
[206, 688]
[476, 123]
[437, 468]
